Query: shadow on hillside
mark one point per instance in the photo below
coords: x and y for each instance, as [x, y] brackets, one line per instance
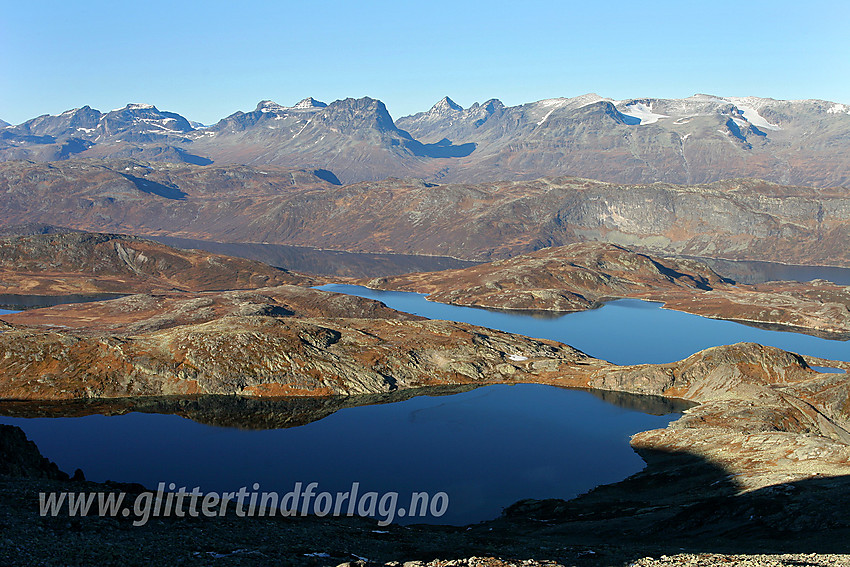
[193, 158]
[154, 188]
[442, 149]
[683, 502]
[327, 175]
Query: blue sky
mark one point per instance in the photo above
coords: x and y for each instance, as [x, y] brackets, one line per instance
[206, 60]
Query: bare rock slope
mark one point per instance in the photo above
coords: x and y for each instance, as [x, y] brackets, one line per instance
[70, 262]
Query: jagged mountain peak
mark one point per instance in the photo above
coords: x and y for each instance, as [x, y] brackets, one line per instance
[492, 105]
[445, 106]
[359, 112]
[310, 102]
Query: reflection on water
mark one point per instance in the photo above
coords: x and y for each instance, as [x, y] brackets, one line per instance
[18, 302]
[828, 370]
[626, 331]
[323, 262]
[759, 272]
[486, 448]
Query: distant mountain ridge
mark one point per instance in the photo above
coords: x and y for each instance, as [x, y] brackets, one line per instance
[699, 139]
[741, 219]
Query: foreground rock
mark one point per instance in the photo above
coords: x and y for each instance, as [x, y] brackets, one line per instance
[63, 262]
[693, 560]
[711, 559]
[582, 276]
[20, 458]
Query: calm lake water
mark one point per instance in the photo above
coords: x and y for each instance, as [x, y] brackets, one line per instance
[759, 272]
[626, 331]
[486, 448]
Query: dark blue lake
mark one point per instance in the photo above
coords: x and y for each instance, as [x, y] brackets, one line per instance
[486, 448]
[626, 331]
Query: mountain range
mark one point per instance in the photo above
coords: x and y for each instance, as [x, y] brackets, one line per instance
[700, 139]
[737, 219]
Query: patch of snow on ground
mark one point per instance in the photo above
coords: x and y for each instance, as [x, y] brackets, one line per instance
[548, 114]
[517, 357]
[753, 117]
[838, 109]
[556, 102]
[134, 106]
[302, 128]
[642, 112]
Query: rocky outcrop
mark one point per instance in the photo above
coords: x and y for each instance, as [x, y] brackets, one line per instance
[20, 458]
[582, 276]
[269, 342]
[56, 262]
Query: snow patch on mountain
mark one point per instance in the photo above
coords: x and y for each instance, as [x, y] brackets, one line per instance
[747, 106]
[642, 112]
[544, 108]
[309, 103]
[135, 106]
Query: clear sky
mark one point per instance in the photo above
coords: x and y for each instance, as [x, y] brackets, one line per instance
[208, 59]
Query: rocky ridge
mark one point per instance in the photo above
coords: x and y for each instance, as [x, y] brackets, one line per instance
[582, 276]
[742, 219]
[70, 262]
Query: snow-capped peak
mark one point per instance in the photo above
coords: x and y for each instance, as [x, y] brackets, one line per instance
[269, 106]
[135, 106]
[310, 102]
[138, 106]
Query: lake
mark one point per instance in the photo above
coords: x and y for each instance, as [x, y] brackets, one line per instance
[486, 448]
[626, 331]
